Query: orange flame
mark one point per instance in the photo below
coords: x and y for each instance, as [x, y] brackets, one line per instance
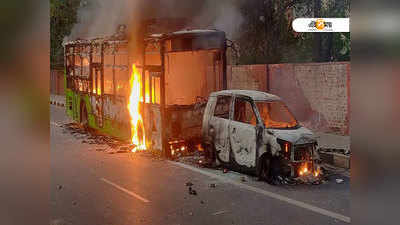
[137, 128]
[303, 169]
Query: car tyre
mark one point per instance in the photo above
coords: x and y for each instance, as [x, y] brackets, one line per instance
[265, 170]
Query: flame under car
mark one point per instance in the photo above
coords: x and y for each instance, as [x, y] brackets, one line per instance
[255, 132]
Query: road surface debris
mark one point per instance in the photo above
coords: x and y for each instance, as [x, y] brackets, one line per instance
[339, 181]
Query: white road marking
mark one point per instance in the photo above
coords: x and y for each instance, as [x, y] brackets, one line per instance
[268, 193]
[219, 212]
[125, 190]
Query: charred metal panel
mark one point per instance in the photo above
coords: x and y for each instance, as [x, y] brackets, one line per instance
[206, 120]
[271, 141]
[96, 103]
[115, 110]
[303, 152]
[221, 138]
[155, 124]
[184, 122]
[242, 138]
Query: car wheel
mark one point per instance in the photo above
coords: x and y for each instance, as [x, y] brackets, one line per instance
[265, 170]
[210, 155]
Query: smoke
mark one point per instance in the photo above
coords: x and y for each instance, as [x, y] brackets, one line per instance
[97, 18]
[223, 15]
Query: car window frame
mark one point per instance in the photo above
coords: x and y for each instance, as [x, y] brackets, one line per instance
[253, 106]
[230, 107]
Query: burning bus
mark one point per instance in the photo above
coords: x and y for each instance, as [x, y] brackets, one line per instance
[153, 94]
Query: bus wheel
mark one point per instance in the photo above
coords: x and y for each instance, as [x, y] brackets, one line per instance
[84, 116]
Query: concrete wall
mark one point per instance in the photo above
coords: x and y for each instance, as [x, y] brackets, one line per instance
[57, 82]
[317, 93]
[252, 77]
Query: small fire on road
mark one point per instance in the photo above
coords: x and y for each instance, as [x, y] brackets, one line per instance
[138, 137]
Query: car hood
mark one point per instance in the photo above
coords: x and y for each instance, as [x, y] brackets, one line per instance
[297, 136]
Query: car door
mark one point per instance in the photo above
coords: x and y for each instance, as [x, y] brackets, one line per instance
[219, 123]
[242, 132]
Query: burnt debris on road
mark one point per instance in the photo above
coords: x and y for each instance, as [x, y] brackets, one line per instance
[194, 157]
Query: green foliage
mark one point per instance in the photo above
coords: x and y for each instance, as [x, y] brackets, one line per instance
[341, 47]
[267, 35]
[63, 16]
[340, 44]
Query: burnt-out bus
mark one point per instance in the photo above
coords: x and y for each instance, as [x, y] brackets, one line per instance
[178, 70]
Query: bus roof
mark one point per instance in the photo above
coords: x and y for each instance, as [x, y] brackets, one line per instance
[176, 34]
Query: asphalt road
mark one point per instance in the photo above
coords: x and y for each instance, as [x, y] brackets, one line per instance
[93, 187]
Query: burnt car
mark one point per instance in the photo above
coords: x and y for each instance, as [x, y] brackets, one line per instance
[255, 132]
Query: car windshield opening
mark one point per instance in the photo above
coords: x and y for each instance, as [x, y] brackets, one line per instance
[275, 114]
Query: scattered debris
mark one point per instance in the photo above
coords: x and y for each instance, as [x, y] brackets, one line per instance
[201, 202]
[195, 158]
[183, 153]
[74, 203]
[339, 181]
[219, 212]
[289, 181]
[190, 214]
[308, 179]
[59, 187]
[192, 191]
[80, 132]
[92, 138]
[317, 182]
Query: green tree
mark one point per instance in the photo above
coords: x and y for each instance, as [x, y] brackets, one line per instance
[334, 46]
[63, 16]
[267, 35]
